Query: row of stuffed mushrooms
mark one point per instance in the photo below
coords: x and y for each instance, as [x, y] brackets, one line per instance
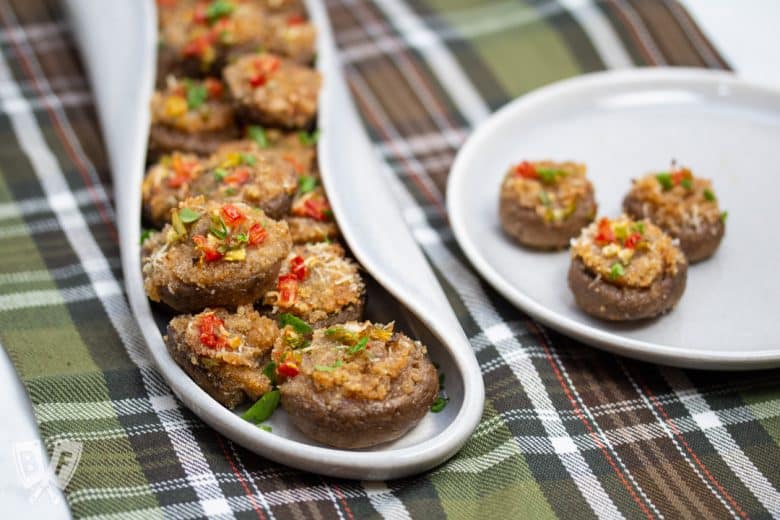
[244, 250]
[630, 267]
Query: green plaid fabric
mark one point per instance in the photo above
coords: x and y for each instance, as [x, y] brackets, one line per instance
[568, 431]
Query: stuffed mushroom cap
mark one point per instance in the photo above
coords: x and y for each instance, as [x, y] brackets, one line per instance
[167, 182]
[214, 254]
[274, 91]
[319, 285]
[544, 204]
[191, 115]
[224, 352]
[624, 269]
[683, 205]
[356, 385]
[253, 177]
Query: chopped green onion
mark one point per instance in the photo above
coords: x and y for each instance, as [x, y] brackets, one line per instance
[188, 216]
[249, 159]
[360, 345]
[341, 334]
[724, 216]
[665, 180]
[438, 405]
[638, 227]
[709, 195]
[257, 134]
[687, 184]
[306, 184]
[196, 95]
[269, 371]
[328, 368]
[218, 9]
[309, 139]
[242, 237]
[218, 228]
[265, 428]
[230, 191]
[616, 271]
[621, 231]
[544, 198]
[220, 173]
[263, 408]
[145, 234]
[295, 322]
[548, 175]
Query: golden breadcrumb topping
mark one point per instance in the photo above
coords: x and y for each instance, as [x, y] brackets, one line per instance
[626, 252]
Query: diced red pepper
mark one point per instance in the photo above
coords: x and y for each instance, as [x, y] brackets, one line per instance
[199, 14]
[198, 45]
[526, 170]
[209, 325]
[314, 207]
[182, 172]
[632, 240]
[258, 80]
[264, 66]
[214, 87]
[257, 234]
[288, 289]
[605, 235]
[295, 19]
[295, 163]
[298, 268]
[287, 370]
[209, 253]
[232, 215]
[238, 176]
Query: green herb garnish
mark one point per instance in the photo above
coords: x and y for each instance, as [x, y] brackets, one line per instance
[218, 9]
[638, 227]
[306, 183]
[724, 216]
[709, 195]
[360, 345]
[265, 428]
[230, 191]
[188, 216]
[295, 322]
[341, 334]
[665, 180]
[218, 227]
[220, 173]
[257, 134]
[687, 184]
[438, 405]
[309, 139]
[544, 198]
[263, 408]
[242, 237]
[616, 271]
[549, 175]
[145, 234]
[196, 95]
[328, 368]
[248, 159]
[269, 371]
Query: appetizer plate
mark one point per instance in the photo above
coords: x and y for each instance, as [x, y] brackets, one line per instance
[624, 124]
[402, 286]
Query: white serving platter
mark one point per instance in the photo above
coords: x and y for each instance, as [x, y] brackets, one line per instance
[623, 124]
[122, 76]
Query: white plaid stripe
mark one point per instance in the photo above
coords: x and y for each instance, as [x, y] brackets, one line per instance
[40, 205]
[714, 429]
[57, 273]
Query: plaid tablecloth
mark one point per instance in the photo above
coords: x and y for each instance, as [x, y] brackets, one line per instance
[568, 431]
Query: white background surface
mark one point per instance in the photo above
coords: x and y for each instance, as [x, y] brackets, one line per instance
[745, 33]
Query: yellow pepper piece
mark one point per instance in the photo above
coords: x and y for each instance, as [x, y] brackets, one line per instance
[175, 106]
[236, 255]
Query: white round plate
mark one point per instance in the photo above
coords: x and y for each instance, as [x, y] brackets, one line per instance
[624, 124]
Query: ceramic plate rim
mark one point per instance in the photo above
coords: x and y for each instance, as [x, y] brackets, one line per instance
[592, 335]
